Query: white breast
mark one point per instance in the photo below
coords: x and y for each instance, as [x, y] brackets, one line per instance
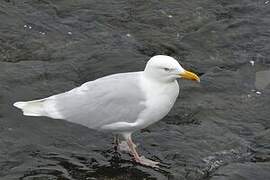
[160, 98]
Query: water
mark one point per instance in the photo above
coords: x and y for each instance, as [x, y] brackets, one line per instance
[218, 129]
[262, 79]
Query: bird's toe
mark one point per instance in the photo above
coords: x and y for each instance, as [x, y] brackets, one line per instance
[147, 162]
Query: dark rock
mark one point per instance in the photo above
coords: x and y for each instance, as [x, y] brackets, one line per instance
[239, 171]
[218, 129]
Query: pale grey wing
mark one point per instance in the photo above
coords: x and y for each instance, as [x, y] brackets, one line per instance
[115, 98]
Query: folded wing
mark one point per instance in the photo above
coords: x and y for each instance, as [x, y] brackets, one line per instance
[115, 98]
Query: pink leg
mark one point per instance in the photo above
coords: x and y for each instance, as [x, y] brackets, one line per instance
[132, 148]
[140, 159]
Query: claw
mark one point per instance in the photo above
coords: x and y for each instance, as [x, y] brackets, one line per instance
[140, 159]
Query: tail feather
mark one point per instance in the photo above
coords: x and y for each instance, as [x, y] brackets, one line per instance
[40, 107]
[31, 108]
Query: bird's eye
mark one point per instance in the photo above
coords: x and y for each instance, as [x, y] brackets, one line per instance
[166, 69]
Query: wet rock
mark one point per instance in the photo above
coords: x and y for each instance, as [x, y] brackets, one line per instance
[218, 129]
[250, 171]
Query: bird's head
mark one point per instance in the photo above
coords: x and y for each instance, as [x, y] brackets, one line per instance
[165, 68]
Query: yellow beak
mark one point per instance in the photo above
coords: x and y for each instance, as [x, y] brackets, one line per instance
[190, 75]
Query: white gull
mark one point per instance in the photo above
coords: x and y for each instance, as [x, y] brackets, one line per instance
[120, 103]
